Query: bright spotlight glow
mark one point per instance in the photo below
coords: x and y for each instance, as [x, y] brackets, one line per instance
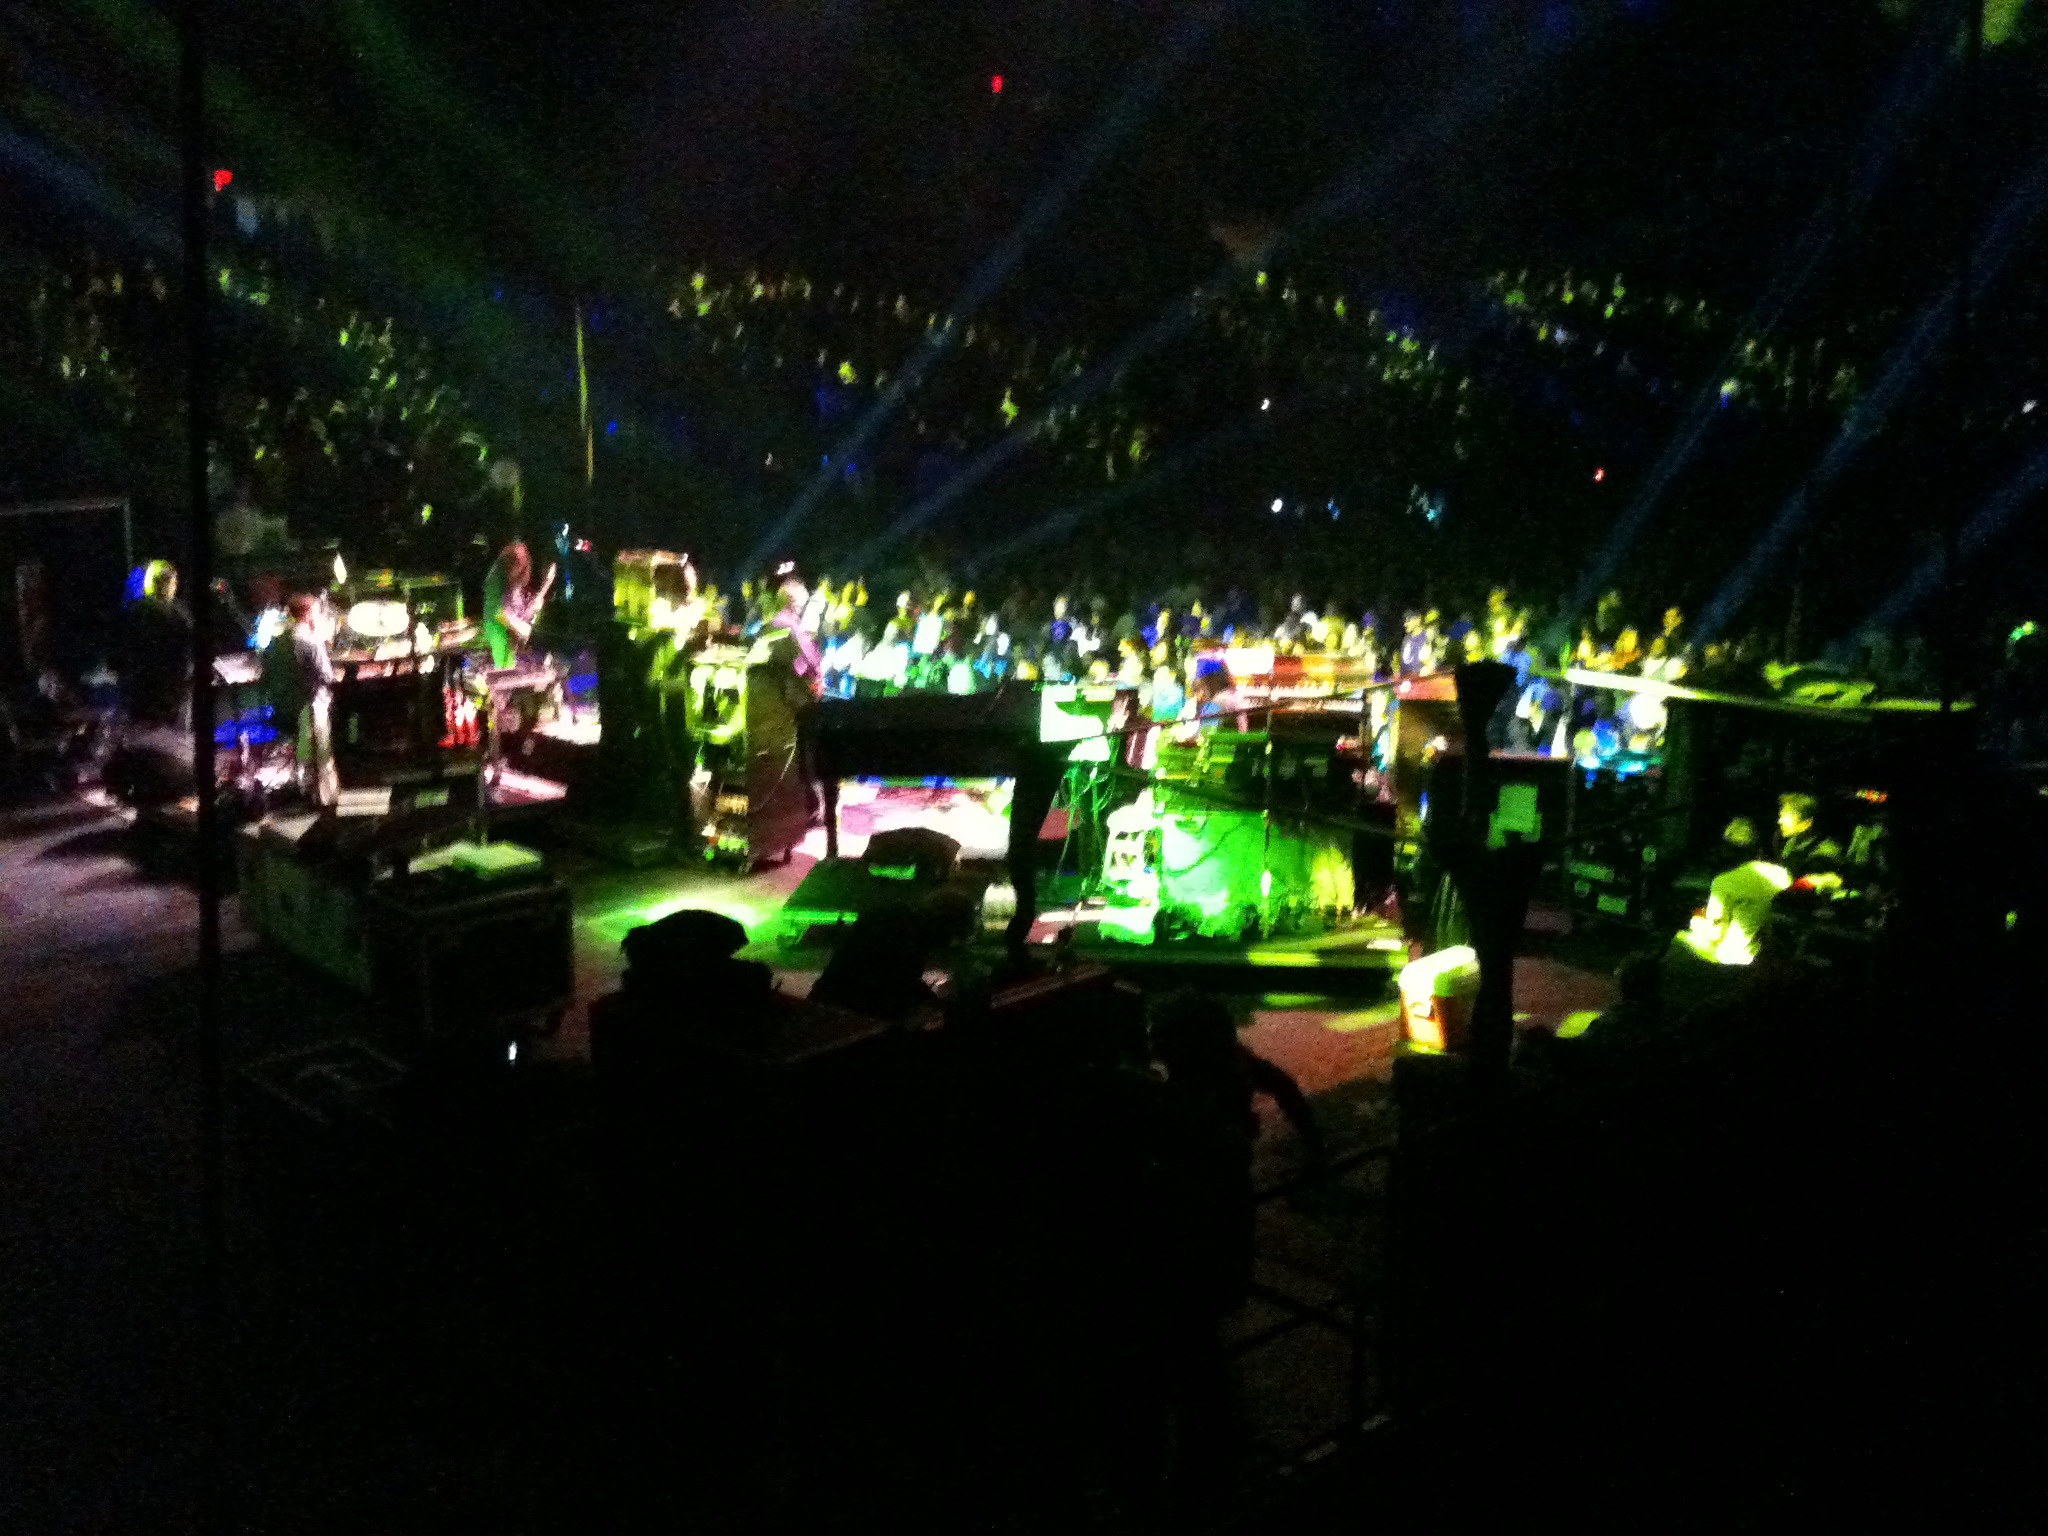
[1277, 503]
[1265, 405]
[1599, 475]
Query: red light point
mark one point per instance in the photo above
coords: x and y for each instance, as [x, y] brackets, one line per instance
[222, 178]
[995, 85]
[1599, 474]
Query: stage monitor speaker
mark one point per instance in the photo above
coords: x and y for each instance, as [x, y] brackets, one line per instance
[931, 854]
[839, 892]
[152, 766]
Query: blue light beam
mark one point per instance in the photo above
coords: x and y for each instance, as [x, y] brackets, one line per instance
[1060, 524]
[1926, 65]
[1984, 525]
[1867, 418]
[1110, 129]
[85, 188]
[1479, 94]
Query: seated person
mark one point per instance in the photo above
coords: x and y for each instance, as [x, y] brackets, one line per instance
[1213, 698]
[1598, 738]
[884, 666]
[1801, 848]
[1638, 1011]
[1869, 860]
[1168, 696]
[1738, 902]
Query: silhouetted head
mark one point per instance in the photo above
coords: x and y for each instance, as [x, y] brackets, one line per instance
[1640, 977]
[1194, 1035]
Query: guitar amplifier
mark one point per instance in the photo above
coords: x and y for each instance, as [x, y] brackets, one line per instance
[742, 718]
[389, 713]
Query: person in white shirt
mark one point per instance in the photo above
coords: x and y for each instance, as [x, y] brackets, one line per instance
[817, 607]
[789, 620]
[885, 668]
[1646, 711]
[1738, 902]
[842, 658]
[931, 629]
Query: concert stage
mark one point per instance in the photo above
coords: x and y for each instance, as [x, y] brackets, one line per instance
[1354, 959]
[1349, 964]
[1328, 997]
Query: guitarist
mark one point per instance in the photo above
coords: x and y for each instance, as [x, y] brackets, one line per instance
[511, 606]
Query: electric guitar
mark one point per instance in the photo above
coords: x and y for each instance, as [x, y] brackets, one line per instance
[522, 613]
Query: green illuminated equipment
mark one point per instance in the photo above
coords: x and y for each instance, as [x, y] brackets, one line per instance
[1223, 870]
[1130, 859]
[1130, 922]
[740, 735]
[1211, 862]
[1090, 715]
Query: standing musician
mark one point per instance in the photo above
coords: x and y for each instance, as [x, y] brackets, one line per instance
[298, 675]
[511, 606]
[789, 620]
[156, 650]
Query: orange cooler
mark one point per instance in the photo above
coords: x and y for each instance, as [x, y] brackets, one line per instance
[1437, 993]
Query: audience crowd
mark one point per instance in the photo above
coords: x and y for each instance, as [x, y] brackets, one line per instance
[1175, 642]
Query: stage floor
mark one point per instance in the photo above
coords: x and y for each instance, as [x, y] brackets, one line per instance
[1302, 1011]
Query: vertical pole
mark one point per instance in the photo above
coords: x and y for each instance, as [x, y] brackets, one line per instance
[1571, 773]
[198, 425]
[1796, 615]
[583, 402]
[1949, 658]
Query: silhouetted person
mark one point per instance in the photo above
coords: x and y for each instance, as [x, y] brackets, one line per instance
[679, 970]
[1640, 1007]
[1202, 1176]
[156, 650]
[878, 966]
[1631, 1019]
[298, 678]
[1205, 1152]
[1801, 847]
[1276, 1083]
